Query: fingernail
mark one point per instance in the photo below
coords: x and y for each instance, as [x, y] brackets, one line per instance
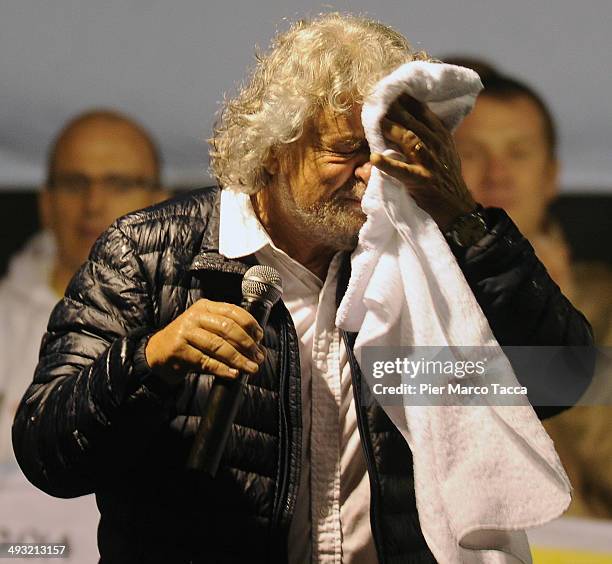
[252, 366]
[259, 335]
[233, 372]
[260, 356]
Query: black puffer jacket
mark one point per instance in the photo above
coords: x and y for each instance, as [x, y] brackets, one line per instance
[96, 420]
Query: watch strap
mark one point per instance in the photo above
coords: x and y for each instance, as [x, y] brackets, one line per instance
[467, 229]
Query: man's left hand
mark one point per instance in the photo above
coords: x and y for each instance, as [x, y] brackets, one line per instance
[432, 171]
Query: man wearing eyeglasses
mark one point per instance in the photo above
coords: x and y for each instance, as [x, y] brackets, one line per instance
[101, 165]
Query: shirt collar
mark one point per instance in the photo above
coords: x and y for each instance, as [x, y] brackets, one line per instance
[242, 234]
[240, 231]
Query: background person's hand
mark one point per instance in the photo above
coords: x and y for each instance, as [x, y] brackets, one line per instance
[213, 337]
[432, 171]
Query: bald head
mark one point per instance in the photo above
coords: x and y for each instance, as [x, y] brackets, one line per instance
[102, 165]
[100, 129]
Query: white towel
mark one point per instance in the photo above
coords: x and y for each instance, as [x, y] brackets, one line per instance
[482, 473]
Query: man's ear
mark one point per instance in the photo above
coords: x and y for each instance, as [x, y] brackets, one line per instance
[44, 207]
[271, 163]
[551, 188]
[162, 193]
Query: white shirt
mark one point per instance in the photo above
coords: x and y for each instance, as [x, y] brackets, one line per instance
[331, 522]
[26, 513]
[26, 300]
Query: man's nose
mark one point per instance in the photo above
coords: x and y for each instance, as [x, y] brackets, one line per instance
[363, 171]
[497, 169]
[95, 197]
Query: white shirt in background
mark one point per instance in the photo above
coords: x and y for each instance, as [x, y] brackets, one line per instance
[26, 513]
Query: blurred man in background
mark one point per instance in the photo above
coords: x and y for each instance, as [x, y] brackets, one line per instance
[508, 157]
[102, 165]
[508, 150]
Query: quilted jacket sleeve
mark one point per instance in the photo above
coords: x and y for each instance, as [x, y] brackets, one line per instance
[90, 412]
[522, 303]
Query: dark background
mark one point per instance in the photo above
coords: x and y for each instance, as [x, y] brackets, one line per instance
[585, 220]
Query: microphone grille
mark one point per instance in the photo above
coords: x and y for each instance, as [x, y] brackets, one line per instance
[262, 282]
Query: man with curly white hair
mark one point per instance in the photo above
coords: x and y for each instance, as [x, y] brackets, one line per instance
[310, 473]
[293, 135]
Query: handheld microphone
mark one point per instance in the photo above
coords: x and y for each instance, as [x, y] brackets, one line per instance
[261, 289]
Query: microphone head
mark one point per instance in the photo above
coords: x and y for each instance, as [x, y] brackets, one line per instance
[263, 283]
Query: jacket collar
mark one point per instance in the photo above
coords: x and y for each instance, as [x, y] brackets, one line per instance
[209, 258]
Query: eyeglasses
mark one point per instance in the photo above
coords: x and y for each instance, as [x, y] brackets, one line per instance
[80, 184]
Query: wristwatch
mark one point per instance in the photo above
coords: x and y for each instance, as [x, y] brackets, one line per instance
[467, 229]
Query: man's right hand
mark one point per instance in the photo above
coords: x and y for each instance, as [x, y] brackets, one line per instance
[213, 337]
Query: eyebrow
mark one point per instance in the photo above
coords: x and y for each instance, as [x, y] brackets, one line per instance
[519, 137]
